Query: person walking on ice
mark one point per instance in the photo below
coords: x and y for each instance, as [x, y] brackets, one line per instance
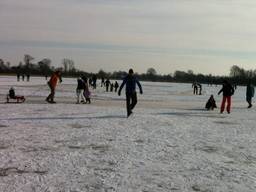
[80, 89]
[131, 96]
[228, 91]
[249, 93]
[52, 83]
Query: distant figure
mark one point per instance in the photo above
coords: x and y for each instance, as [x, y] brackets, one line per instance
[87, 93]
[12, 95]
[194, 85]
[228, 91]
[102, 81]
[52, 83]
[211, 104]
[18, 76]
[94, 81]
[90, 82]
[107, 83]
[79, 90]
[28, 77]
[131, 96]
[116, 86]
[23, 77]
[112, 87]
[249, 93]
[200, 88]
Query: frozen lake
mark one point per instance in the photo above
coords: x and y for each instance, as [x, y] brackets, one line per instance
[170, 143]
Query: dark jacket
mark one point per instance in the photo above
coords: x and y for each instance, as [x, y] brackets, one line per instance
[250, 91]
[130, 81]
[227, 90]
[80, 84]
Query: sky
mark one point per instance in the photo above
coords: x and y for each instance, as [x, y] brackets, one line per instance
[206, 36]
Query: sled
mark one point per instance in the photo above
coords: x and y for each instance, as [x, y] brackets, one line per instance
[16, 99]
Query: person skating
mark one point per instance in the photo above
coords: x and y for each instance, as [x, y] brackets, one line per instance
[131, 96]
[228, 91]
[80, 89]
[52, 83]
[87, 93]
[249, 93]
[194, 85]
[107, 83]
[102, 81]
[111, 87]
[211, 104]
[116, 86]
[200, 88]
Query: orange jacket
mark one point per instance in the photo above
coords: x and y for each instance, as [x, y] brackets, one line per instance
[54, 80]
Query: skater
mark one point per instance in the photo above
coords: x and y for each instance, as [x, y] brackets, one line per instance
[80, 89]
[116, 86]
[102, 81]
[28, 77]
[131, 96]
[87, 93]
[52, 83]
[18, 76]
[112, 87]
[90, 82]
[228, 91]
[200, 88]
[94, 81]
[107, 83]
[211, 104]
[194, 85]
[249, 93]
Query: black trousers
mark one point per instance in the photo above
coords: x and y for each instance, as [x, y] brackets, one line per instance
[131, 101]
[51, 95]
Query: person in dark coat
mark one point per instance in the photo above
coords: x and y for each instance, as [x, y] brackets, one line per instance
[111, 87]
[116, 86]
[228, 91]
[80, 90]
[249, 93]
[194, 85]
[94, 81]
[131, 96]
[107, 84]
[211, 104]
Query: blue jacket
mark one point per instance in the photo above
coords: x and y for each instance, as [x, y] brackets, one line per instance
[130, 81]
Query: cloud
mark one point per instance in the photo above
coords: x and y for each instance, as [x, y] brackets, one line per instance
[220, 31]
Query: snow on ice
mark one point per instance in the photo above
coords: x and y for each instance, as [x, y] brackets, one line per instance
[170, 143]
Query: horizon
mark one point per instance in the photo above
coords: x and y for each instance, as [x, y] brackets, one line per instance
[207, 37]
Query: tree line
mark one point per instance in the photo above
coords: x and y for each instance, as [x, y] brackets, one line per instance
[237, 74]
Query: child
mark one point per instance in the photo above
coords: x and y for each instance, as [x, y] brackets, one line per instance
[12, 95]
[211, 104]
[86, 93]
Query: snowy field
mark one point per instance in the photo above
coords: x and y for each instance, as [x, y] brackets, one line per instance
[169, 144]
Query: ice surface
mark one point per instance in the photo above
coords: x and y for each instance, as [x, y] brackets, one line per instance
[170, 143]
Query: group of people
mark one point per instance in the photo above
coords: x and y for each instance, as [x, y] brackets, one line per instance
[111, 86]
[228, 90]
[83, 93]
[23, 77]
[197, 88]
